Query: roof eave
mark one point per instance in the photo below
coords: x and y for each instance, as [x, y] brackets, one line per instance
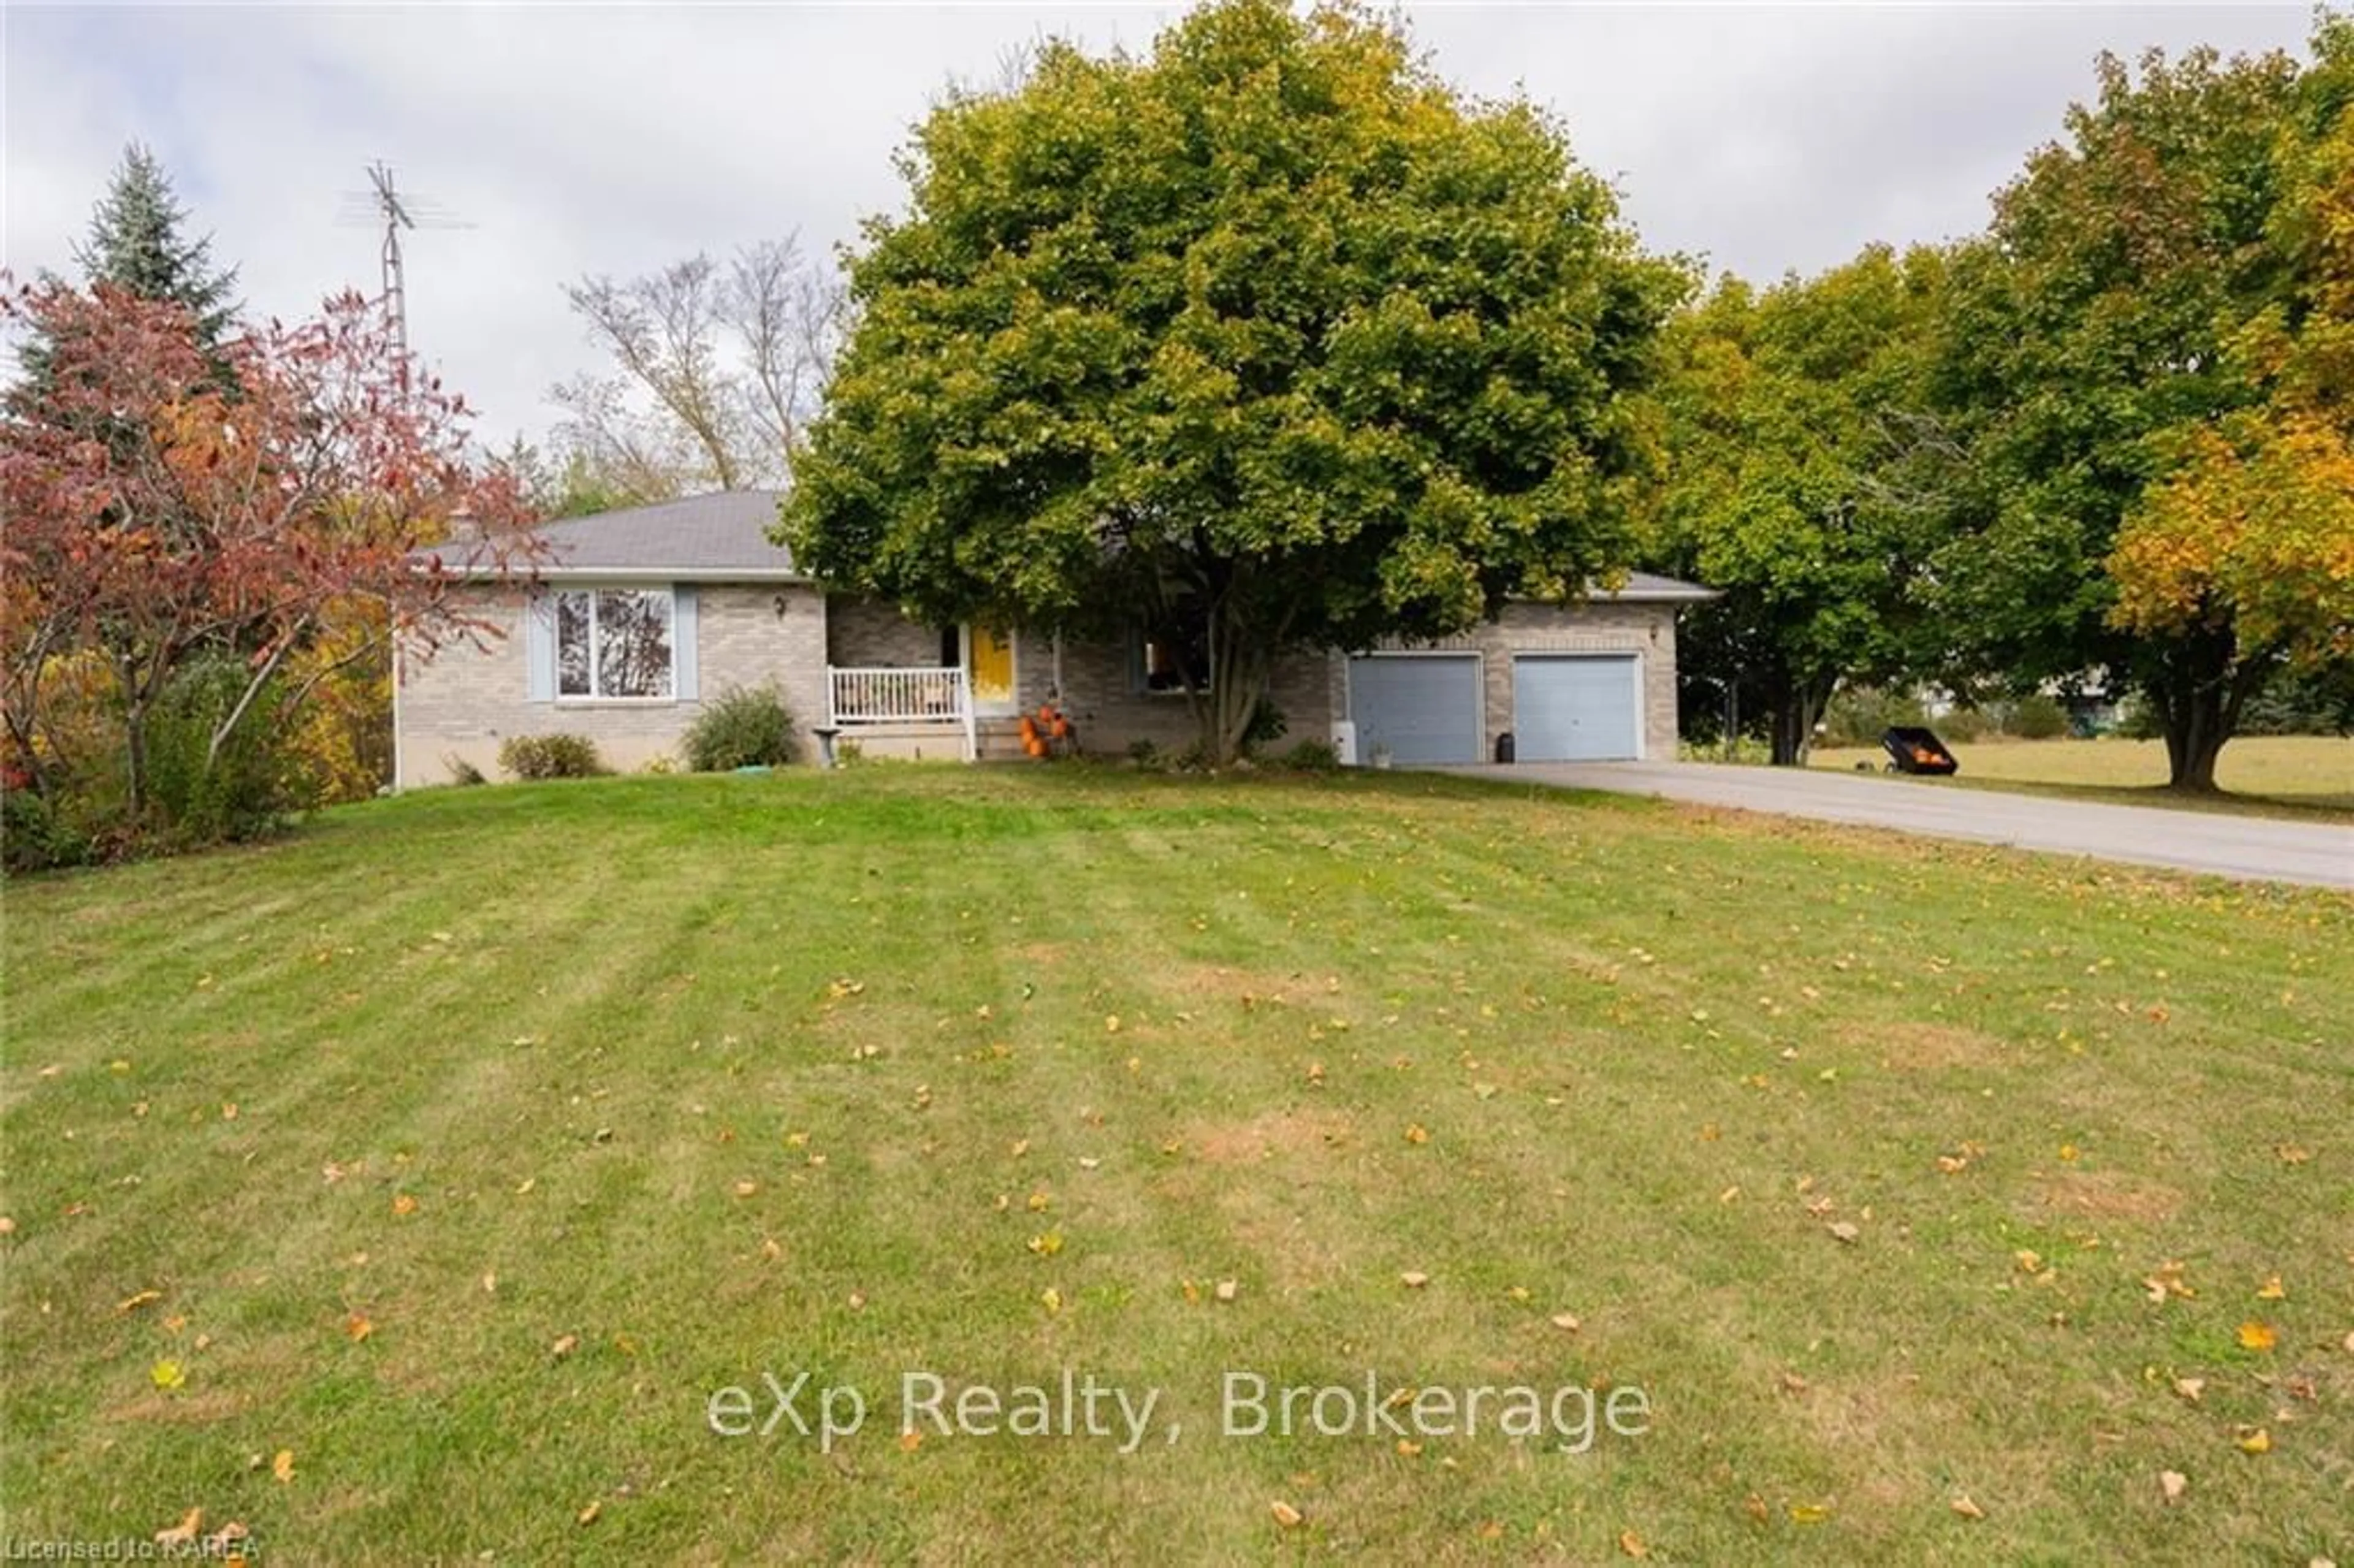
[548, 573]
[1659, 595]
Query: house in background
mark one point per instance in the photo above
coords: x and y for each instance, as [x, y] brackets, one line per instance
[637, 618]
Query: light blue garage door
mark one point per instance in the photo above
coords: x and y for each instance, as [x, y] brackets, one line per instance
[1424, 706]
[1574, 708]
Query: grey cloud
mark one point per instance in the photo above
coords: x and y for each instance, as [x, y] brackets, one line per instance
[611, 140]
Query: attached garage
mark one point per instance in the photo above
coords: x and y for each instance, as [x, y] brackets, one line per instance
[1576, 707]
[1421, 707]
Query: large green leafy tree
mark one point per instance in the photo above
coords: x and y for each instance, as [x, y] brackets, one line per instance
[1269, 333]
[2097, 343]
[1792, 419]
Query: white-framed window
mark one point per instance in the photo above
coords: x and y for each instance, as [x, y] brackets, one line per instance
[615, 643]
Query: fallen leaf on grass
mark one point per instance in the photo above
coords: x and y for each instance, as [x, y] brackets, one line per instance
[282, 1465]
[1227, 1289]
[184, 1532]
[2258, 1336]
[2190, 1388]
[1417, 1133]
[1841, 1230]
[2272, 1290]
[2172, 1484]
[404, 1205]
[745, 1188]
[1632, 1544]
[7, 1226]
[1968, 1509]
[565, 1346]
[2291, 1153]
[588, 1515]
[1413, 1279]
[1566, 1321]
[133, 1303]
[1810, 1513]
[357, 1327]
[1051, 1299]
[1288, 1517]
[2258, 1441]
[1048, 1245]
[167, 1374]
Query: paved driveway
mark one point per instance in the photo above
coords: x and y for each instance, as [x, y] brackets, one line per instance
[2217, 843]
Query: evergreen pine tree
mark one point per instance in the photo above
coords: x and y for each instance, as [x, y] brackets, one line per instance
[135, 243]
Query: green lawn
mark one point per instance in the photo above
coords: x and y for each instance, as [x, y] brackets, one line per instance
[469, 1143]
[2300, 777]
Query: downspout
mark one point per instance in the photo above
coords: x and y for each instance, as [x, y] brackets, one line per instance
[392, 641]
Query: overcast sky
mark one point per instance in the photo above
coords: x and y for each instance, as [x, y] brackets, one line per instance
[610, 139]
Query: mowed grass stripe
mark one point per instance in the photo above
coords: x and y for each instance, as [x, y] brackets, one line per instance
[655, 960]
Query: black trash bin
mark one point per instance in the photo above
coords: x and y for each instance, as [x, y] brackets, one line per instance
[1504, 748]
[1916, 750]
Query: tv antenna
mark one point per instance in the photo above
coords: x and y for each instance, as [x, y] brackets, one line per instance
[385, 203]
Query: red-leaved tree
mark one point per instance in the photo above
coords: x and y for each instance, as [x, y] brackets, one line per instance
[163, 505]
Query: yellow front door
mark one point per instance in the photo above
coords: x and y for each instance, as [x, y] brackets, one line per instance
[989, 658]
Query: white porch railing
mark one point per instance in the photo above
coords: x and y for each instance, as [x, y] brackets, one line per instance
[925, 694]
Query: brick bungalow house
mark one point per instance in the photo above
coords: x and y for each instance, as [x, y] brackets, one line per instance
[637, 616]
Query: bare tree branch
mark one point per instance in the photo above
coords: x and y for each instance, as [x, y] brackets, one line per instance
[787, 317]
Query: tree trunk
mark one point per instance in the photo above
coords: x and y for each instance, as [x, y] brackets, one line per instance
[2199, 698]
[1237, 681]
[1797, 704]
[134, 752]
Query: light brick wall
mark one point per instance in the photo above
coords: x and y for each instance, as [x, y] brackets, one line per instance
[1100, 696]
[1645, 630]
[863, 632]
[464, 703]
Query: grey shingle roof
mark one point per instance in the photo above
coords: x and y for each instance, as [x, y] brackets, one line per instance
[1650, 586]
[718, 537]
[724, 537]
